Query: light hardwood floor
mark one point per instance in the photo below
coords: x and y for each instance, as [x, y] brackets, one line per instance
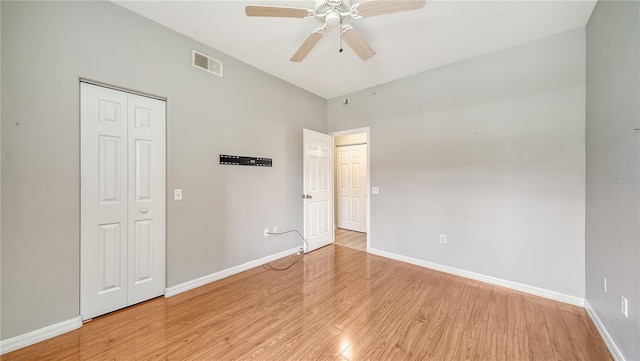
[341, 304]
[351, 239]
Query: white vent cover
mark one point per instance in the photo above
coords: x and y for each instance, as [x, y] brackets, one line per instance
[206, 63]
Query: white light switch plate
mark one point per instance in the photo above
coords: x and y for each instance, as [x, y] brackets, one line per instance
[177, 194]
[375, 190]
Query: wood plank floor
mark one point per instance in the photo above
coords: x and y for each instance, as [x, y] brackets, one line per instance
[340, 304]
[351, 239]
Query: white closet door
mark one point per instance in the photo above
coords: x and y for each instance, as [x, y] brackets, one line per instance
[146, 198]
[352, 184]
[103, 200]
[122, 199]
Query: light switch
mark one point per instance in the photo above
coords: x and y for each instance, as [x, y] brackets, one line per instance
[375, 190]
[177, 194]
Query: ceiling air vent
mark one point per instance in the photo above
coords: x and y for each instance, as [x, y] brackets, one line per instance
[206, 63]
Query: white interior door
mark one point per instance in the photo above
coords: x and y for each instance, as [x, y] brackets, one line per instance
[122, 199]
[351, 190]
[318, 189]
[103, 201]
[146, 251]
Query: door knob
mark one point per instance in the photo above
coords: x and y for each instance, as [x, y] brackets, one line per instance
[306, 196]
[144, 210]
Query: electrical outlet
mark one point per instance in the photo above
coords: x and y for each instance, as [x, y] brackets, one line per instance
[266, 232]
[604, 284]
[624, 306]
[275, 229]
[300, 251]
[443, 238]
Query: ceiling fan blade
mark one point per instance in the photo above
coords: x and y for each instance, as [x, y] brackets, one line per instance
[308, 44]
[277, 11]
[380, 7]
[356, 42]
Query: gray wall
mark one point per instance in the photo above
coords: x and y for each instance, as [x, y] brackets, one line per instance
[613, 172]
[488, 151]
[46, 47]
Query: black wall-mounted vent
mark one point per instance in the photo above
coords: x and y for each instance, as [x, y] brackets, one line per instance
[242, 160]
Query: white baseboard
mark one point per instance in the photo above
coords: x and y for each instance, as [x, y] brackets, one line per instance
[189, 285]
[29, 338]
[557, 296]
[613, 348]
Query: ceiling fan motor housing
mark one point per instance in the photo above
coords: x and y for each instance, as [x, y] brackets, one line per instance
[328, 11]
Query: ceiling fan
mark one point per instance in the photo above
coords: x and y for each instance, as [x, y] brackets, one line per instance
[331, 13]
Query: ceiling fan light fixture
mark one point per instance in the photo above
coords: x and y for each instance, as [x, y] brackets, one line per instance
[333, 19]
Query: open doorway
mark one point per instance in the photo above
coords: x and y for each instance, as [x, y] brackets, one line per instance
[351, 188]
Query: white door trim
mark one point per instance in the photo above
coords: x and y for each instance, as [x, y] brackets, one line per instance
[119, 88]
[366, 130]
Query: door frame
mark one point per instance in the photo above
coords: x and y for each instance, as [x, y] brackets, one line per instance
[340, 133]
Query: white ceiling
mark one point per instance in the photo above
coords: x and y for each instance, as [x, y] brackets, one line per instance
[442, 32]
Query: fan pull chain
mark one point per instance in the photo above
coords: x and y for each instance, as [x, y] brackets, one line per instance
[340, 32]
